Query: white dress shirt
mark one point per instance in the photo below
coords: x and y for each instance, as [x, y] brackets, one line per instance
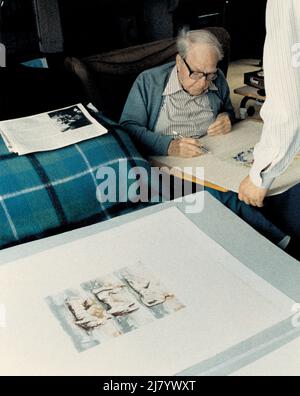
[281, 112]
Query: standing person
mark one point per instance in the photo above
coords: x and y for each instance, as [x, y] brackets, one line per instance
[280, 139]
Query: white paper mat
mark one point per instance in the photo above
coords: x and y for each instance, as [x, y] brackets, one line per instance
[225, 303]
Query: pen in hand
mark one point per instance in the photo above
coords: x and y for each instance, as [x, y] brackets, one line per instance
[177, 134]
[203, 148]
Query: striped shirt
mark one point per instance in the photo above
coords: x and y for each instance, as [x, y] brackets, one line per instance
[281, 112]
[181, 112]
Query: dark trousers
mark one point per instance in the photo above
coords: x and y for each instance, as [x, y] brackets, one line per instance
[284, 211]
[255, 217]
[280, 217]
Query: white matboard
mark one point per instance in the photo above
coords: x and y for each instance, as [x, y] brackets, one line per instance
[225, 303]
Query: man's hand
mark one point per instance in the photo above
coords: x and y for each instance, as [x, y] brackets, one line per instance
[221, 126]
[251, 194]
[185, 148]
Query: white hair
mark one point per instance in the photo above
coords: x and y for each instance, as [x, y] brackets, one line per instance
[186, 38]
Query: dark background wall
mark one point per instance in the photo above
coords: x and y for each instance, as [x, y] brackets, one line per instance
[94, 26]
[245, 21]
[18, 28]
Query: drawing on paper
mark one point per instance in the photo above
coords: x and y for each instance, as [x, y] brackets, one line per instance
[112, 305]
[87, 314]
[148, 291]
[117, 299]
[244, 157]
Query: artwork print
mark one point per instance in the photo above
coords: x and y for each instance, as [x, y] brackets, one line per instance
[110, 306]
[244, 157]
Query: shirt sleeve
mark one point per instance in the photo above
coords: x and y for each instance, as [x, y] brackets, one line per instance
[280, 139]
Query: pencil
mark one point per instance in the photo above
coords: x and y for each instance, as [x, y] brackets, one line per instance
[203, 148]
[177, 134]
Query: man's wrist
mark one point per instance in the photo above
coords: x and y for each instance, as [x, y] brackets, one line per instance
[223, 114]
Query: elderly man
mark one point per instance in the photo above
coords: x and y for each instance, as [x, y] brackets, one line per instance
[189, 97]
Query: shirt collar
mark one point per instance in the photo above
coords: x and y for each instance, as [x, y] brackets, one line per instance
[213, 87]
[174, 84]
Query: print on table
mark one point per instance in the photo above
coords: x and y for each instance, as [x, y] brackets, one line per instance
[244, 157]
[149, 291]
[112, 305]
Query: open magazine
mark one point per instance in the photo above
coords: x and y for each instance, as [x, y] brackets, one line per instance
[51, 130]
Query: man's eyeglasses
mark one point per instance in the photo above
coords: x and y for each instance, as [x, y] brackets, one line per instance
[198, 75]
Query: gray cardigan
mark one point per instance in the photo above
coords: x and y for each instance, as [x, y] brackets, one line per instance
[144, 102]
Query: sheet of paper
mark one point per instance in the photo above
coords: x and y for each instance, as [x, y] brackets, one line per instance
[51, 130]
[213, 302]
[229, 162]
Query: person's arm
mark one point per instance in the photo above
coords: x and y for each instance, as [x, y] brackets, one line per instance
[135, 119]
[280, 139]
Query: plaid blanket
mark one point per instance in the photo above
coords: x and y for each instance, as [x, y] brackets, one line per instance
[51, 192]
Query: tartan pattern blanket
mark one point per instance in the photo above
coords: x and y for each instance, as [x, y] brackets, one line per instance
[46, 193]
